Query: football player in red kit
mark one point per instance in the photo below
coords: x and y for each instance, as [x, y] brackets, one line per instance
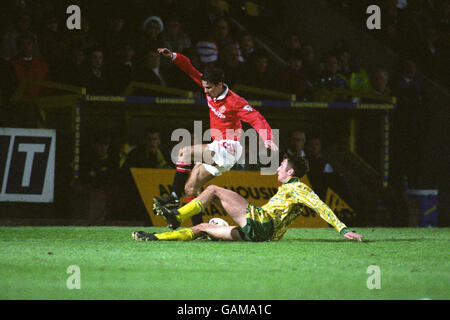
[227, 110]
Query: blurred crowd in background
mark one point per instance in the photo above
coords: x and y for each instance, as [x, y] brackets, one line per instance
[117, 44]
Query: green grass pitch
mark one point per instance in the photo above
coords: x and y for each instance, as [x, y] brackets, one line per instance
[305, 264]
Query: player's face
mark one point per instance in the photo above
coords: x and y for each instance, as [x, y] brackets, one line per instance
[211, 89]
[283, 171]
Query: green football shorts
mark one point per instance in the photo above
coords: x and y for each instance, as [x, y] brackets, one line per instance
[259, 225]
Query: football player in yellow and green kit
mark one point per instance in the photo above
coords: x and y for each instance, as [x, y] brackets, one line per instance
[266, 223]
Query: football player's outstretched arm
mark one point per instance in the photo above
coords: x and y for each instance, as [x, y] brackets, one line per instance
[313, 201]
[183, 63]
[259, 123]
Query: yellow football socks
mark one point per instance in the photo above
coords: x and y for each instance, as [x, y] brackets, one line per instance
[178, 235]
[190, 209]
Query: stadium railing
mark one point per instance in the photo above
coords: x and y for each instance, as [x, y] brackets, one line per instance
[153, 87]
[263, 92]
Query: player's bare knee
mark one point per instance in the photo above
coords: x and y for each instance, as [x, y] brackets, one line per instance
[184, 154]
[211, 188]
[190, 190]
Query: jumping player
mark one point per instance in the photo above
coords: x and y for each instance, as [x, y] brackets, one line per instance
[227, 110]
[266, 223]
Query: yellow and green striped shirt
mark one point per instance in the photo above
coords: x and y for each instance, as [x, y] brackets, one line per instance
[289, 202]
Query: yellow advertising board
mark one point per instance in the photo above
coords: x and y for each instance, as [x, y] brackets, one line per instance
[253, 186]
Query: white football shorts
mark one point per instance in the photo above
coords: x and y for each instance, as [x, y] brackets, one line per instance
[226, 154]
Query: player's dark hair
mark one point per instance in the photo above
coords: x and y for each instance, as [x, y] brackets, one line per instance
[298, 163]
[213, 75]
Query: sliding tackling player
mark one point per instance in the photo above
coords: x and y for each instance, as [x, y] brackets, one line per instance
[227, 110]
[266, 223]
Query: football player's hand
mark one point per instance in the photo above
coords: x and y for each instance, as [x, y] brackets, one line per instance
[351, 235]
[165, 52]
[271, 145]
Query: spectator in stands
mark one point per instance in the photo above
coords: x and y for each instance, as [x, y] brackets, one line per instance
[22, 25]
[151, 37]
[28, 66]
[115, 35]
[173, 37]
[208, 51]
[98, 175]
[148, 154]
[151, 72]
[50, 42]
[297, 143]
[391, 12]
[293, 79]
[317, 163]
[261, 73]
[379, 80]
[411, 116]
[84, 38]
[291, 43]
[209, 47]
[417, 16]
[433, 55]
[230, 63]
[71, 71]
[123, 67]
[344, 58]
[8, 81]
[207, 14]
[247, 46]
[356, 78]
[407, 85]
[319, 167]
[329, 80]
[95, 78]
[310, 66]
[330, 77]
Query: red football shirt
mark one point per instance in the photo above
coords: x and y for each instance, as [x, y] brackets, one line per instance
[228, 110]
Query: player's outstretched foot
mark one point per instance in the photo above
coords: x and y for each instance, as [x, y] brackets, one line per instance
[169, 214]
[143, 236]
[171, 201]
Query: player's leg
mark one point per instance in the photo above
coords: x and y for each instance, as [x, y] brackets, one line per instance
[186, 156]
[230, 233]
[233, 204]
[218, 157]
[199, 176]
